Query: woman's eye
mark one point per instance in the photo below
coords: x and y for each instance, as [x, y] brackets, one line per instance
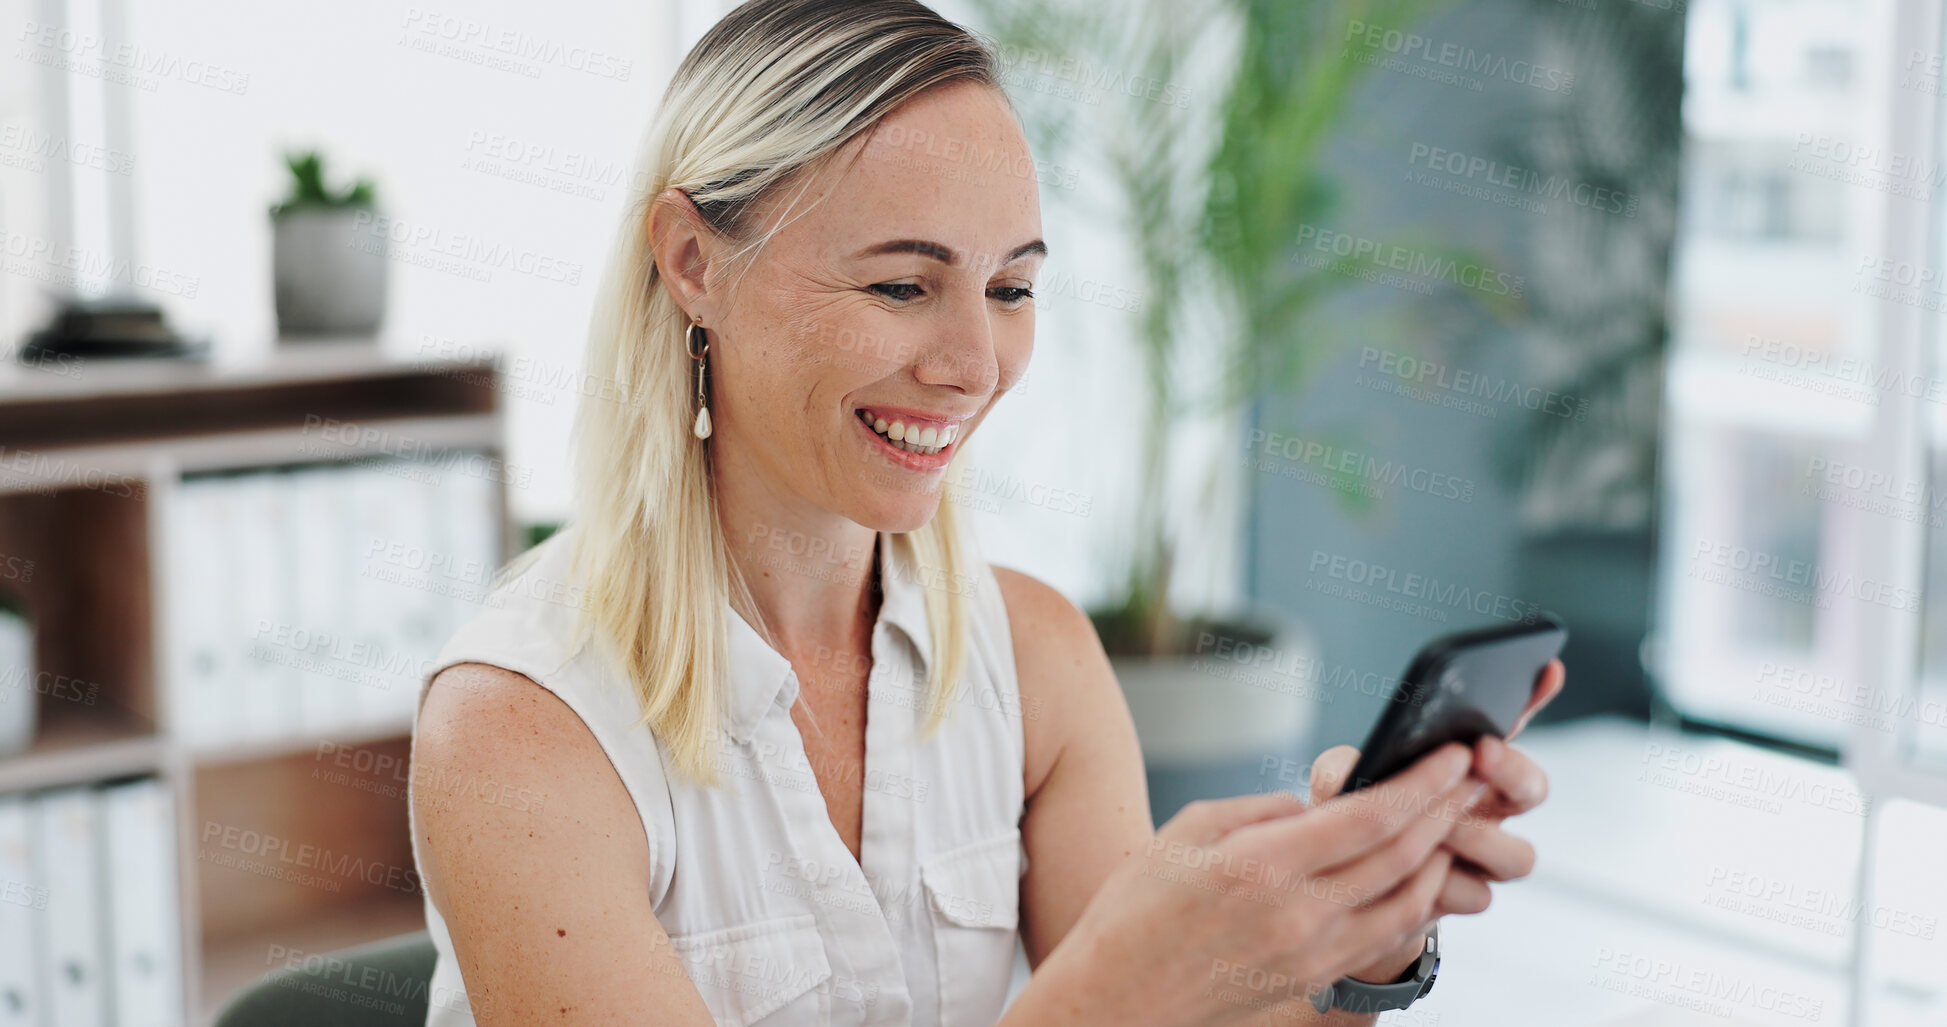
[897, 290]
[1011, 294]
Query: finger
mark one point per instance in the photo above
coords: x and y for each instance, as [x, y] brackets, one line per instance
[1347, 826]
[1518, 781]
[1376, 931]
[1498, 855]
[1330, 770]
[1207, 820]
[1464, 894]
[1554, 678]
[1382, 869]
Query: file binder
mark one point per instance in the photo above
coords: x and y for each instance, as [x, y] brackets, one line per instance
[398, 607]
[304, 604]
[145, 938]
[198, 581]
[22, 902]
[66, 827]
[470, 532]
[322, 522]
[263, 629]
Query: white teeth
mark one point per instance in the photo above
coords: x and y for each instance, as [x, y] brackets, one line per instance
[914, 439]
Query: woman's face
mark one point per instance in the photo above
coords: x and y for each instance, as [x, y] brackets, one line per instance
[896, 308]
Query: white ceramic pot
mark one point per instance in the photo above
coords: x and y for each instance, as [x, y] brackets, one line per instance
[329, 265]
[17, 693]
[1229, 718]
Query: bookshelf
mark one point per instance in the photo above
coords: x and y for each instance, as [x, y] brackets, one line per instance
[88, 463]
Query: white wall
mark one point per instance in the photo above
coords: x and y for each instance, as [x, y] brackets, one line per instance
[353, 79]
[221, 87]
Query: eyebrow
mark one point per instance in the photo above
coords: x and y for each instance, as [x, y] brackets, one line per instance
[945, 254]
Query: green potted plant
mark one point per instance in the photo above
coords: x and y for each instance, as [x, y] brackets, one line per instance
[328, 255]
[1215, 173]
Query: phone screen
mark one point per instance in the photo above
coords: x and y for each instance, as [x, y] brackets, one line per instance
[1460, 687]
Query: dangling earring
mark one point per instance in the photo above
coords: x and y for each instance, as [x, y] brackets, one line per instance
[702, 429]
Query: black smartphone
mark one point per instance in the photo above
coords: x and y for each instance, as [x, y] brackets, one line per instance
[1460, 687]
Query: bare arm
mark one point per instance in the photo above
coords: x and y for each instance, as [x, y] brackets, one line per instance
[1087, 801]
[546, 896]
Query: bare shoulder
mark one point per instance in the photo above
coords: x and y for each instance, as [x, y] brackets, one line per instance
[1051, 626]
[474, 702]
[516, 751]
[1065, 676]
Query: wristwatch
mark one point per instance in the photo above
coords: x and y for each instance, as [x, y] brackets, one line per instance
[1362, 997]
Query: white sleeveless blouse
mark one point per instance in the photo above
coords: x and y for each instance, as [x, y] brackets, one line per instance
[774, 919]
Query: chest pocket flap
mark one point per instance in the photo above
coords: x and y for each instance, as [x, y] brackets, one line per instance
[751, 971]
[977, 885]
[975, 895]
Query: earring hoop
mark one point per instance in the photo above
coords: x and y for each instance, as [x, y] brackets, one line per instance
[700, 354]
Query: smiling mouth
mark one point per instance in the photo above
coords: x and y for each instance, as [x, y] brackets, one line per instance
[923, 439]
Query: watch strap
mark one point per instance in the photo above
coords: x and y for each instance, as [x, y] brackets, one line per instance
[1356, 996]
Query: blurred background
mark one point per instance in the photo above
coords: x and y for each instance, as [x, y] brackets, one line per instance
[1407, 316]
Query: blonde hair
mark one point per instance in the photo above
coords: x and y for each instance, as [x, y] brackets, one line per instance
[773, 88]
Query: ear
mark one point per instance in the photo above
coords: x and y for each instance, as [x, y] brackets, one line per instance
[683, 244]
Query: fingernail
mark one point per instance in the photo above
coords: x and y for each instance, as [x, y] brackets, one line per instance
[1457, 764]
[1490, 751]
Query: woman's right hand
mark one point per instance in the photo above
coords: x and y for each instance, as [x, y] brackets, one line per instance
[1246, 903]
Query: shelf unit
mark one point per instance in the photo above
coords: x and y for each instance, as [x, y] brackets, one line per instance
[87, 462]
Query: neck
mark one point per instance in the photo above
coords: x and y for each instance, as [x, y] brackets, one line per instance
[809, 570]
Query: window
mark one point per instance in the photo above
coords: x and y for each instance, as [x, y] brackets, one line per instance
[1774, 379]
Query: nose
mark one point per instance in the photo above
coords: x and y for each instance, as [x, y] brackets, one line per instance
[961, 355]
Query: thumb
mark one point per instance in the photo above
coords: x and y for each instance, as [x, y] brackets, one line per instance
[1330, 770]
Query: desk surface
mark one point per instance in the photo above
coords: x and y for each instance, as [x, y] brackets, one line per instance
[1691, 880]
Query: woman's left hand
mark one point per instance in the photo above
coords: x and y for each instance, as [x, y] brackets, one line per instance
[1508, 783]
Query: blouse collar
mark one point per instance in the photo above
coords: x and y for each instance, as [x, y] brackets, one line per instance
[760, 676]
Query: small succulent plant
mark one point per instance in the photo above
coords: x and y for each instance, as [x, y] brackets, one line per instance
[308, 188]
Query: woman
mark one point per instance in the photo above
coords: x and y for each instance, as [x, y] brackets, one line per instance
[762, 739]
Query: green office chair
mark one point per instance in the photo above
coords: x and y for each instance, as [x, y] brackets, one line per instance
[383, 984]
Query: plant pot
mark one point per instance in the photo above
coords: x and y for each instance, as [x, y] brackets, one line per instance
[1227, 718]
[329, 266]
[17, 692]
